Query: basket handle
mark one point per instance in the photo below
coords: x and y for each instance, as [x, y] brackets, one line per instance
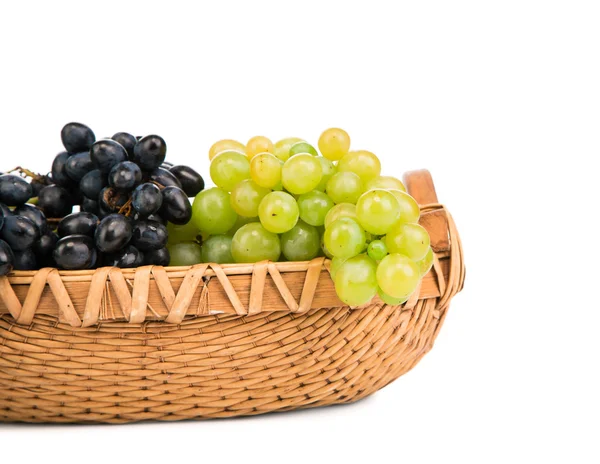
[419, 185]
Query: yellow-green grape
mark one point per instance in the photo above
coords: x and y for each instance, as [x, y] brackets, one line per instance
[184, 233]
[344, 238]
[377, 211]
[212, 212]
[258, 144]
[411, 240]
[303, 147]
[328, 169]
[313, 207]
[409, 209]
[324, 249]
[344, 187]
[265, 170]
[356, 280]
[377, 250]
[278, 212]
[339, 211]
[217, 249]
[239, 222]
[334, 143]
[386, 183]
[301, 243]
[336, 263]
[398, 275]
[185, 253]
[362, 163]
[278, 187]
[229, 168]
[225, 145]
[281, 149]
[426, 263]
[246, 196]
[252, 243]
[301, 173]
[389, 300]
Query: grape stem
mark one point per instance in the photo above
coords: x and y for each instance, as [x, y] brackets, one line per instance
[126, 209]
[29, 173]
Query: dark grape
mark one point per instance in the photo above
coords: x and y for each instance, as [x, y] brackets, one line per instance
[45, 245]
[125, 176]
[106, 153]
[164, 178]
[113, 233]
[129, 256]
[146, 199]
[111, 200]
[90, 206]
[127, 140]
[149, 235]
[7, 258]
[176, 206]
[81, 223]
[55, 201]
[78, 165]
[192, 183]
[92, 183]
[77, 137]
[38, 184]
[150, 152]
[35, 214]
[59, 171]
[25, 260]
[157, 218]
[4, 210]
[75, 252]
[160, 257]
[19, 232]
[14, 190]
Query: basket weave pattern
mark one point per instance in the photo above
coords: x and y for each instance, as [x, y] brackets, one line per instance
[118, 346]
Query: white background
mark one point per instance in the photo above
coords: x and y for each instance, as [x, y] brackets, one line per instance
[500, 100]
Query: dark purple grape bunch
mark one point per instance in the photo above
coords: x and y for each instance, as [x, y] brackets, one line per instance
[126, 195]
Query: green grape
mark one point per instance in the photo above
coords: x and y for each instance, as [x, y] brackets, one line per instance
[225, 145]
[426, 263]
[265, 170]
[363, 163]
[313, 207]
[339, 211]
[301, 243]
[258, 144]
[246, 196]
[377, 250]
[212, 212]
[252, 243]
[229, 168]
[278, 187]
[344, 238]
[334, 143]
[301, 173]
[185, 233]
[344, 187]
[328, 169]
[282, 148]
[185, 253]
[239, 222]
[377, 211]
[303, 147]
[324, 249]
[278, 212]
[386, 183]
[336, 263]
[398, 275]
[356, 280]
[217, 249]
[411, 240]
[409, 209]
[390, 300]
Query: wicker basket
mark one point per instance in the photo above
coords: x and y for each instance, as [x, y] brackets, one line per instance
[115, 346]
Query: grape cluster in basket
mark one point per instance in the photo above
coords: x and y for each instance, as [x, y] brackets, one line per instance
[285, 201]
[126, 195]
